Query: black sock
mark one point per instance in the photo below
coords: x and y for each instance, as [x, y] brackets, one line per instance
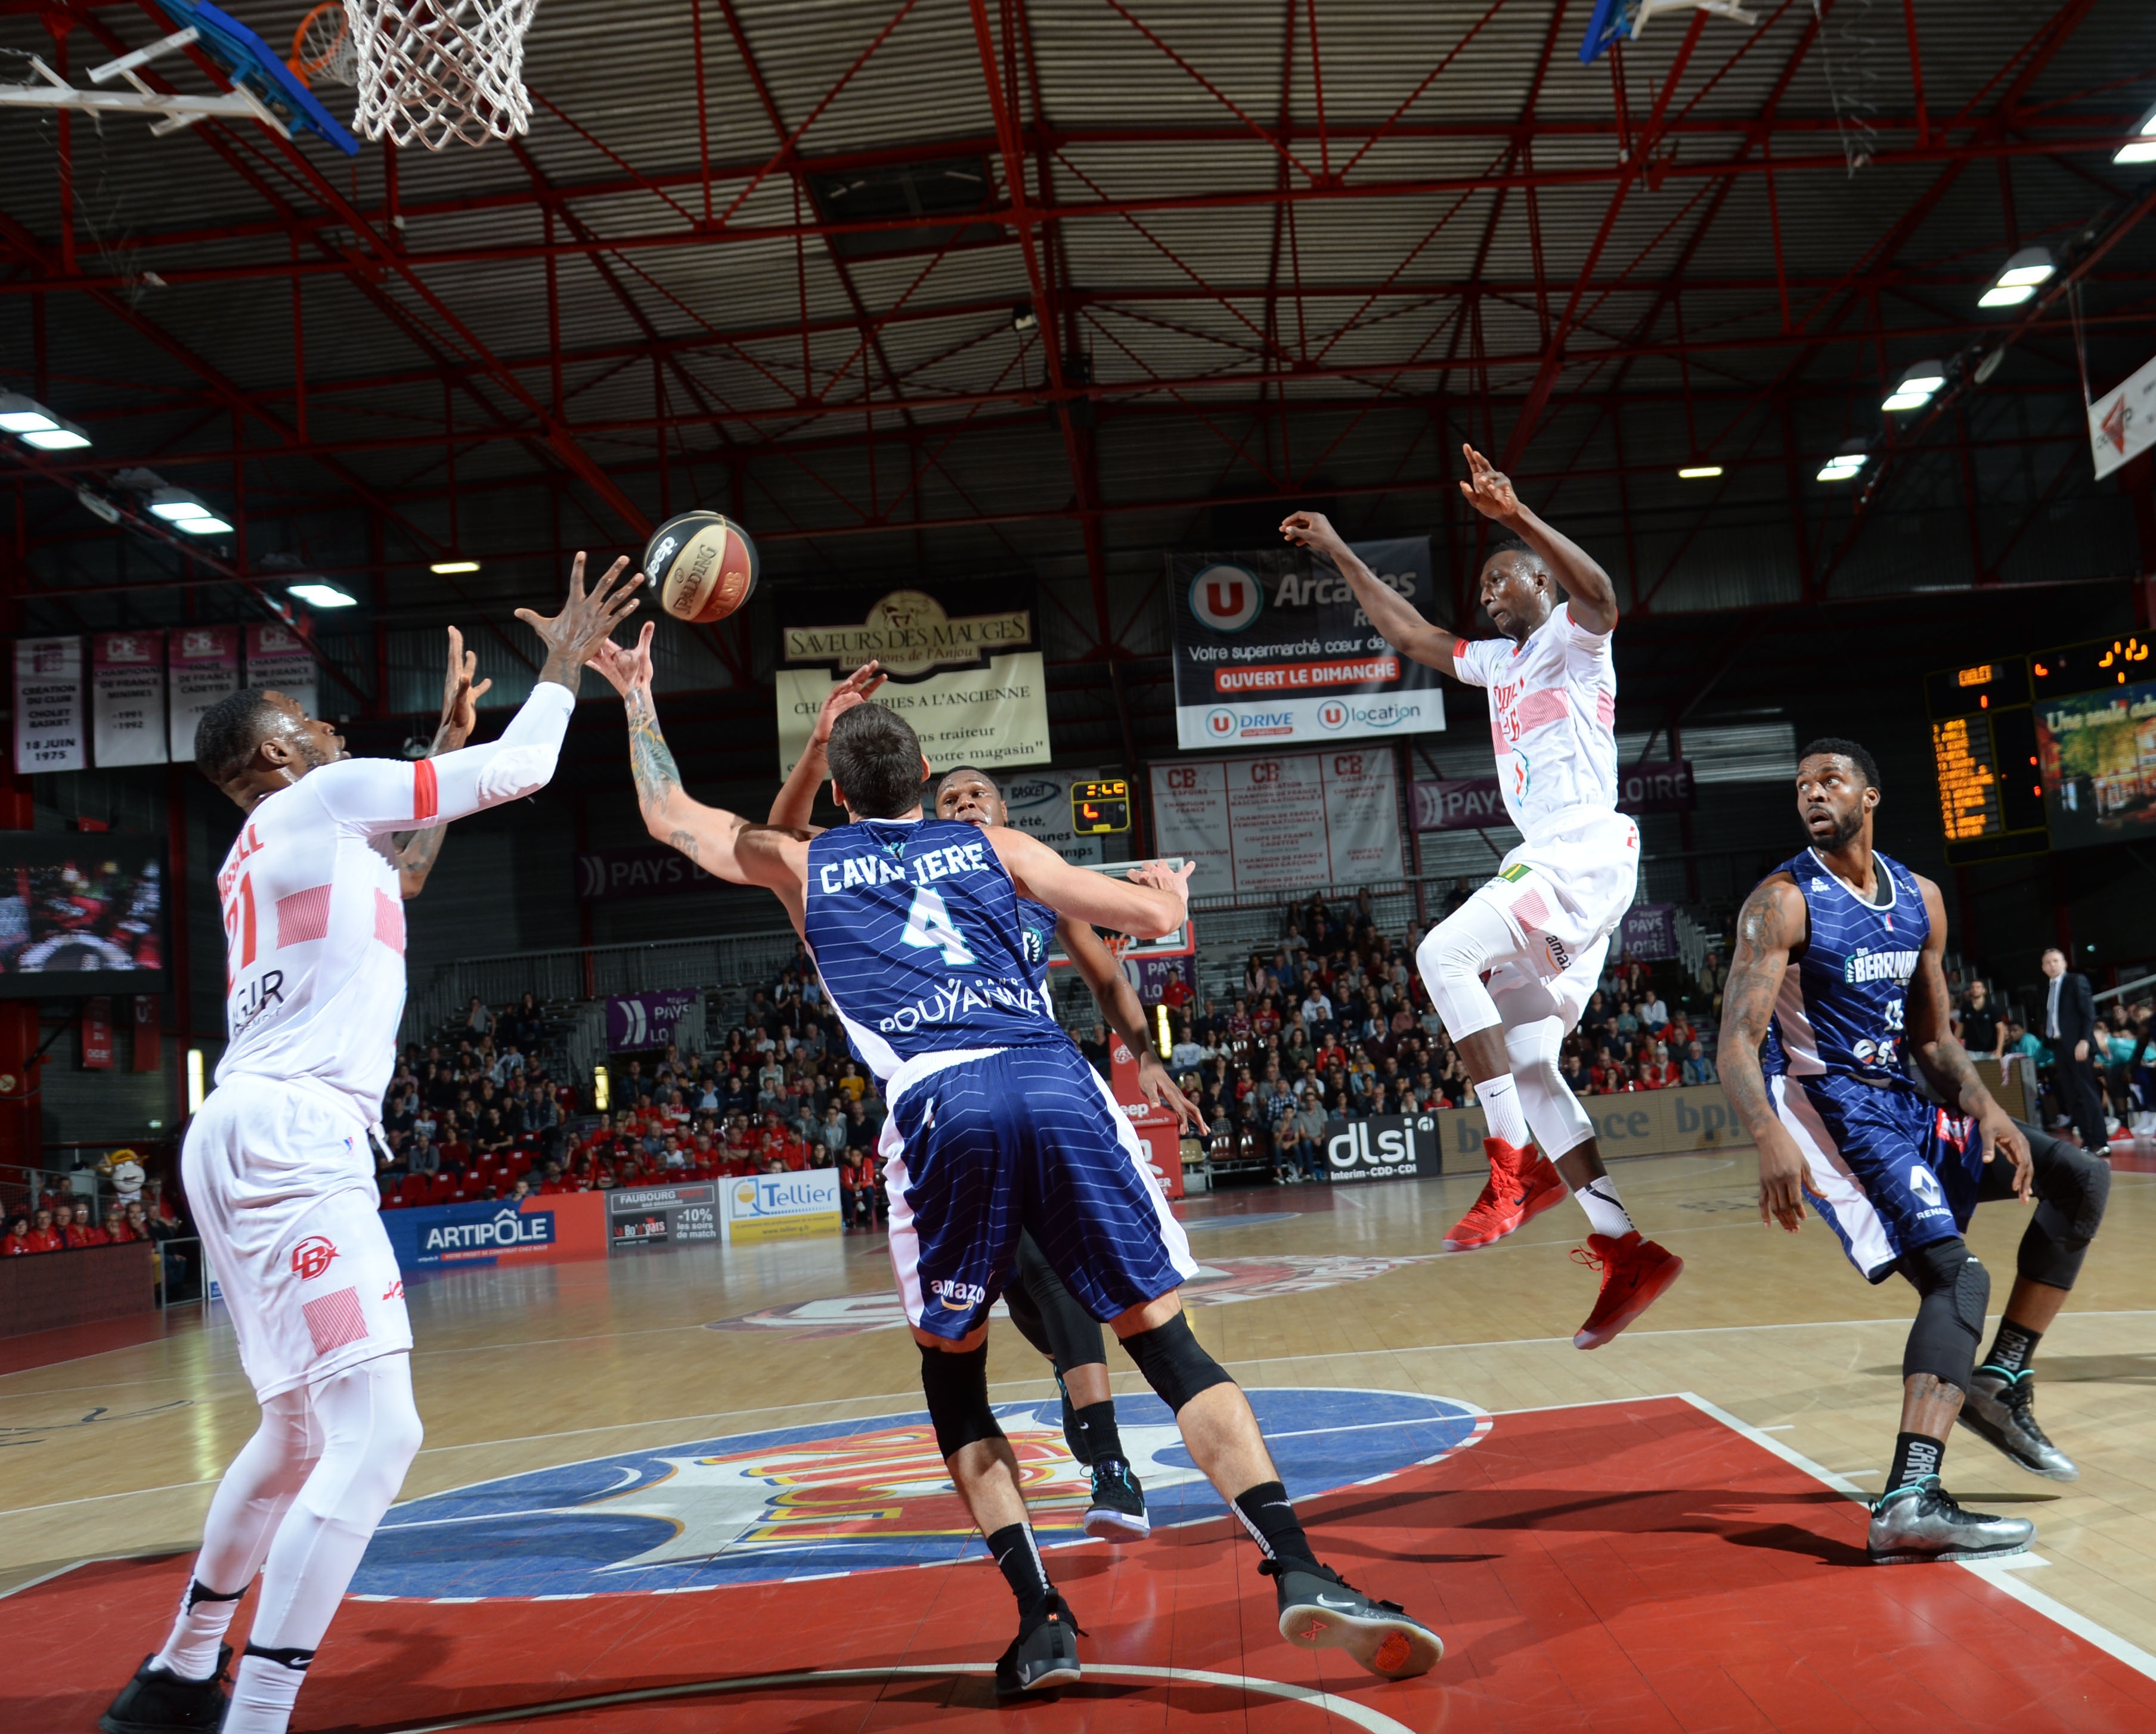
[1916, 1455]
[1020, 1560]
[2013, 1348]
[1271, 1522]
[1103, 1443]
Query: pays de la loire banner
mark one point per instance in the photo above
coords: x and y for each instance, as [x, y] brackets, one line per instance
[1271, 647]
[959, 666]
[1476, 803]
[1283, 822]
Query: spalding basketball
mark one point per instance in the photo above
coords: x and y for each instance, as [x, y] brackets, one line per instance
[702, 564]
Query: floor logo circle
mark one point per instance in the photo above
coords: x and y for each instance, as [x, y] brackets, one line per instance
[848, 1496]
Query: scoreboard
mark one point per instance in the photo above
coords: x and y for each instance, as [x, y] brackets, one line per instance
[1983, 747]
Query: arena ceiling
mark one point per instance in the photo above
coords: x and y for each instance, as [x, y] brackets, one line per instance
[1038, 288]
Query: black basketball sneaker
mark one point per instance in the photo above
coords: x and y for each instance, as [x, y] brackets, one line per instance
[1319, 1609]
[157, 1702]
[1117, 1509]
[1042, 1655]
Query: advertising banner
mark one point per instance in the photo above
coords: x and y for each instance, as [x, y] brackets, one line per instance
[147, 1057]
[279, 656]
[97, 1033]
[651, 869]
[778, 1207]
[958, 664]
[645, 1020]
[541, 1231]
[2122, 422]
[127, 698]
[1158, 1128]
[1272, 646]
[1473, 803]
[1385, 1146]
[1649, 932]
[1283, 823]
[1151, 976]
[1638, 1122]
[1039, 804]
[48, 706]
[662, 1215]
[203, 666]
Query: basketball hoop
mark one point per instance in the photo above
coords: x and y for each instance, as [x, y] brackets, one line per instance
[1118, 946]
[323, 52]
[431, 71]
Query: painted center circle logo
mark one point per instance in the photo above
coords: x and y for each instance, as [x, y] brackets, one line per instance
[1225, 597]
[850, 1497]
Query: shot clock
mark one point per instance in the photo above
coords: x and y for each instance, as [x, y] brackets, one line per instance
[1100, 807]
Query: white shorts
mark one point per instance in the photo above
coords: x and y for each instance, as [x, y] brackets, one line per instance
[281, 1186]
[1562, 895]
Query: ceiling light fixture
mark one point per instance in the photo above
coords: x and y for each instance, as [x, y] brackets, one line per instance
[30, 422]
[186, 513]
[2018, 281]
[1023, 318]
[450, 568]
[1916, 388]
[318, 595]
[1699, 473]
[2143, 148]
[1844, 463]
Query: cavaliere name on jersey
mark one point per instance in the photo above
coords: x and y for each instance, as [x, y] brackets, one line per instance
[916, 930]
[1840, 1011]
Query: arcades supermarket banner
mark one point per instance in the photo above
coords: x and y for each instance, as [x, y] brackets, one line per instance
[959, 666]
[1272, 649]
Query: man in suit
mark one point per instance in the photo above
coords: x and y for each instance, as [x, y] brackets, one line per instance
[2069, 1014]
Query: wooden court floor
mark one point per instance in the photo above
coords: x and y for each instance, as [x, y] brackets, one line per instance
[1333, 1304]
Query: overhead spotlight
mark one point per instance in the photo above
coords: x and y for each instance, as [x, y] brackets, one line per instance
[2018, 281]
[1916, 388]
[1844, 463]
[1023, 318]
[450, 568]
[186, 514]
[1699, 473]
[318, 595]
[30, 422]
[2143, 148]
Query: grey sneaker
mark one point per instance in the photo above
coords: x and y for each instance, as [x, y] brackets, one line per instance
[1920, 1522]
[1319, 1609]
[2000, 1410]
[1043, 1656]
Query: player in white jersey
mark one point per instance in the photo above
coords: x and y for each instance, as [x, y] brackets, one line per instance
[1511, 969]
[280, 1170]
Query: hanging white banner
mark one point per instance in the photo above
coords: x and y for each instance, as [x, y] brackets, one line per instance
[47, 705]
[127, 698]
[204, 662]
[278, 658]
[1286, 821]
[2122, 423]
[990, 717]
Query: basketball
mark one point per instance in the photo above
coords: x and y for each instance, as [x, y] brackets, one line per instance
[702, 564]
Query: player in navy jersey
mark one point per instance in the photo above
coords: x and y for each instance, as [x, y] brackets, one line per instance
[1835, 988]
[1044, 1311]
[998, 1126]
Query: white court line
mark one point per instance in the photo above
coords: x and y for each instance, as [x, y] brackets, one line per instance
[1998, 1573]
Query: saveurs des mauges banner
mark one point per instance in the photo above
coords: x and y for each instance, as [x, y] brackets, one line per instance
[1271, 647]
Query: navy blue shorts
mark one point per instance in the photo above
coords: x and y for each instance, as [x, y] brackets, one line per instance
[1896, 1173]
[1022, 1139]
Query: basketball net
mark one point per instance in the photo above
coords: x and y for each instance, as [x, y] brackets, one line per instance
[432, 71]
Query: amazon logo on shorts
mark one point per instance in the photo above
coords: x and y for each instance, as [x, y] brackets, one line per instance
[957, 1294]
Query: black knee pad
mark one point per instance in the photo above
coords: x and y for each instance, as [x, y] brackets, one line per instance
[1954, 1290]
[1173, 1364]
[1027, 1317]
[2073, 1186]
[956, 1387]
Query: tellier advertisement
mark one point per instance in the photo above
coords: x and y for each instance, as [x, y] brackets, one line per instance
[958, 662]
[1272, 648]
[540, 1231]
[778, 1207]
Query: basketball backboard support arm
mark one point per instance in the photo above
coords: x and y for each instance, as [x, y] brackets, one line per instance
[263, 88]
[1614, 21]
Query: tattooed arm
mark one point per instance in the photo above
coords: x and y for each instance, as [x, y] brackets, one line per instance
[417, 851]
[719, 842]
[1943, 1061]
[1771, 930]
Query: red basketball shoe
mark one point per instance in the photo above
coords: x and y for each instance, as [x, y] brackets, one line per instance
[1635, 1273]
[1522, 1184]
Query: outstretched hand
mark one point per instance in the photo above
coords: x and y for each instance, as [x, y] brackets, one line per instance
[573, 636]
[460, 696]
[626, 671]
[1488, 489]
[854, 690]
[1161, 877]
[1311, 530]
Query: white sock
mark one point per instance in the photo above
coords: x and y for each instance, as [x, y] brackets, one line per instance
[191, 1652]
[1606, 1213]
[1499, 1103]
[263, 1690]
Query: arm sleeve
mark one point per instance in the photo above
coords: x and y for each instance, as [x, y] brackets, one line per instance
[377, 795]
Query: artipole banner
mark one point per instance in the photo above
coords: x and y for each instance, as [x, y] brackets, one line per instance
[279, 658]
[47, 705]
[1272, 648]
[127, 698]
[958, 668]
[204, 663]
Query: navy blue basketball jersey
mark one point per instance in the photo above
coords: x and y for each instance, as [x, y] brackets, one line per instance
[1841, 1010]
[1037, 931]
[915, 928]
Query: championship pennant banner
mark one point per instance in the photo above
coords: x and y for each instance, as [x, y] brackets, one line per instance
[1283, 822]
[1272, 646]
[48, 705]
[204, 667]
[959, 671]
[127, 698]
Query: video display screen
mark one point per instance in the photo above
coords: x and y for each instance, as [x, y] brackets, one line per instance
[81, 914]
[2096, 736]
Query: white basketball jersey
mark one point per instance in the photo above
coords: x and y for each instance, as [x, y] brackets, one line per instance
[1552, 719]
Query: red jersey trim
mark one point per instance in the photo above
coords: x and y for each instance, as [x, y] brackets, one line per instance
[425, 797]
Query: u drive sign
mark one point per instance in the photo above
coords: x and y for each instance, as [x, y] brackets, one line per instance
[1386, 1147]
